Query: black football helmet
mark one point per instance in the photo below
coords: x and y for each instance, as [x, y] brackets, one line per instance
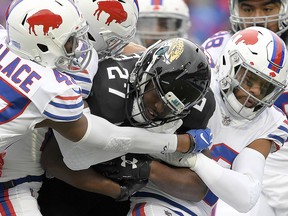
[180, 73]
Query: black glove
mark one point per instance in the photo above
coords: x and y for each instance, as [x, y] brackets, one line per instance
[129, 187]
[126, 167]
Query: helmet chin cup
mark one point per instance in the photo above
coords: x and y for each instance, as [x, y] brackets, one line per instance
[237, 109]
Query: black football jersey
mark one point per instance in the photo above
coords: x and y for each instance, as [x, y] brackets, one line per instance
[199, 114]
[107, 97]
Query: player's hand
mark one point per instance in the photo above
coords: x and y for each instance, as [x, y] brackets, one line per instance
[126, 167]
[178, 159]
[202, 139]
[129, 187]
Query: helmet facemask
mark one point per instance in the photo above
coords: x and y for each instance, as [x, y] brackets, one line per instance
[242, 79]
[78, 52]
[113, 44]
[154, 28]
[161, 20]
[239, 23]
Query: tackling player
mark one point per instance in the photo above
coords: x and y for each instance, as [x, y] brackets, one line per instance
[159, 20]
[42, 40]
[245, 127]
[158, 75]
[272, 15]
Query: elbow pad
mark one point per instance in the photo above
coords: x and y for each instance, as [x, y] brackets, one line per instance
[244, 180]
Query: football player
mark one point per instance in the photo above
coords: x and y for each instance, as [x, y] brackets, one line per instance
[245, 126]
[144, 91]
[272, 15]
[159, 20]
[41, 41]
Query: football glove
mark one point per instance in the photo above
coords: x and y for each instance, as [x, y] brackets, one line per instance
[202, 139]
[127, 167]
[129, 187]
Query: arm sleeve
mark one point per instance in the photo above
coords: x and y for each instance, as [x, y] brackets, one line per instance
[239, 187]
[104, 141]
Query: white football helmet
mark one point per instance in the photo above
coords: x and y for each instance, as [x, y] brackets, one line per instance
[238, 23]
[112, 24]
[160, 20]
[254, 53]
[52, 33]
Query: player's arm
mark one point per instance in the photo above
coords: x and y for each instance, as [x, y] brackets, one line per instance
[91, 133]
[178, 182]
[244, 179]
[91, 130]
[89, 179]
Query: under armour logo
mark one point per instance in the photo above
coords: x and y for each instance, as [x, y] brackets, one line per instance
[133, 162]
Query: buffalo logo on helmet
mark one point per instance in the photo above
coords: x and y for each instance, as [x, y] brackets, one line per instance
[114, 9]
[248, 37]
[46, 18]
[275, 48]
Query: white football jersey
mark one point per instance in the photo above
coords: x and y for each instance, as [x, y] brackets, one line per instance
[22, 158]
[84, 78]
[277, 162]
[31, 93]
[230, 136]
[215, 44]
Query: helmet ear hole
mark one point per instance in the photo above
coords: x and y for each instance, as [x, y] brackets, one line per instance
[223, 60]
[24, 19]
[42, 47]
[91, 37]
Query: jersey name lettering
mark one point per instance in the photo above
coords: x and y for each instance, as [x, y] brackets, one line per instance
[22, 75]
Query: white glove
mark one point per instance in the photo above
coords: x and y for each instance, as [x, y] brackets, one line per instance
[178, 159]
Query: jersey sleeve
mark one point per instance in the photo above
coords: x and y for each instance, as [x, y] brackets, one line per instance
[215, 44]
[85, 77]
[282, 102]
[67, 106]
[278, 131]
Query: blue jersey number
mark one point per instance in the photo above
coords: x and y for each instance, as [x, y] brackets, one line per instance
[12, 102]
[216, 40]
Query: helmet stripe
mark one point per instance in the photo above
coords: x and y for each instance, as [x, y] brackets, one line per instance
[137, 4]
[11, 7]
[277, 58]
[156, 2]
